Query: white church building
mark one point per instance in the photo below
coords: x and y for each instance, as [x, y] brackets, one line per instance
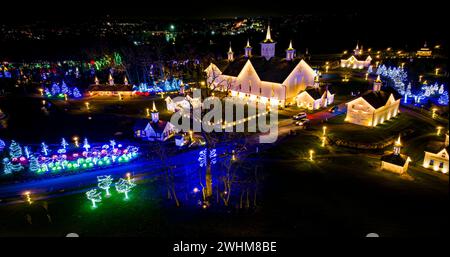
[265, 78]
[357, 60]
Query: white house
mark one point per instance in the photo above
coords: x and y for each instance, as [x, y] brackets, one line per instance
[358, 60]
[436, 158]
[395, 162]
[373, 107]
[315, 97]
[174, 106]
[155, 129]
[265, 78]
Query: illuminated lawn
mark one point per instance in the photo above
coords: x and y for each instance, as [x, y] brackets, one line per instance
[342, 195]
[403, 123]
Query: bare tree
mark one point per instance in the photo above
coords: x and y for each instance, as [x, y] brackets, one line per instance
[162, 153]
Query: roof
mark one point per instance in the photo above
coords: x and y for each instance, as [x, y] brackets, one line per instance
[273, 70]
[159, 126]
[140, 124]
[359, 57]
[315, 93]
[396, 159]
[435, 147]
[379, 98]
[106, 87]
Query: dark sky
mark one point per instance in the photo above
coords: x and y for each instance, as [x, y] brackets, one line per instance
[19, 11]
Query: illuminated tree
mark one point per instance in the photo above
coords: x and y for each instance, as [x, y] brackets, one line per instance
[124, 186]
[76, 93]
[94, 197]
[9, 167]
[64, 88]
[2, 145]
[104, 182]
[55, 89]
[112, 143]
[26, 149]
[86, 145]
[15, 151]
[443, 99]
[44, 149]
[34, 164]
[64, 144]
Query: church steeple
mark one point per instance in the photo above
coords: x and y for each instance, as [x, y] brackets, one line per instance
[230, 54]
[357, 51]
[290, 52]
[154, 113]
[397, 146]
[268, 36]
[268, 45]
[377, 84]
[248, 49]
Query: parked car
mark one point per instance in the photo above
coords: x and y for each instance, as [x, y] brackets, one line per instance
[299, 116]
[303, 122]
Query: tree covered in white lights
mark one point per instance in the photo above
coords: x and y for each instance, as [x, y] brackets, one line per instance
[443, 99]
[124, 186]
[86, 145]
[94, 197]
[104, 182]
[44, 149]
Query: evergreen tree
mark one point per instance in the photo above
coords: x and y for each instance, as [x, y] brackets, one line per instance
[15, 151]
[2, 145]
[34, 164]
[55, 89]
[64, 88]
[76, 93]
[7, 166]
[443, 99]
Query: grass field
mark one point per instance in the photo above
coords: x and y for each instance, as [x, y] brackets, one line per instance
[403, 123]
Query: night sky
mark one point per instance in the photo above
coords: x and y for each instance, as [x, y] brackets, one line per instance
[398, 13]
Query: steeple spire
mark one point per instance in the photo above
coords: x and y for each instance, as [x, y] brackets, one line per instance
[397, 146]
[230, 54]
[377, 84]
[357, 51]
[290, 52]
[248, 49]
[268, 45]
[154, 114]
[290, 46]
[268, 36]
